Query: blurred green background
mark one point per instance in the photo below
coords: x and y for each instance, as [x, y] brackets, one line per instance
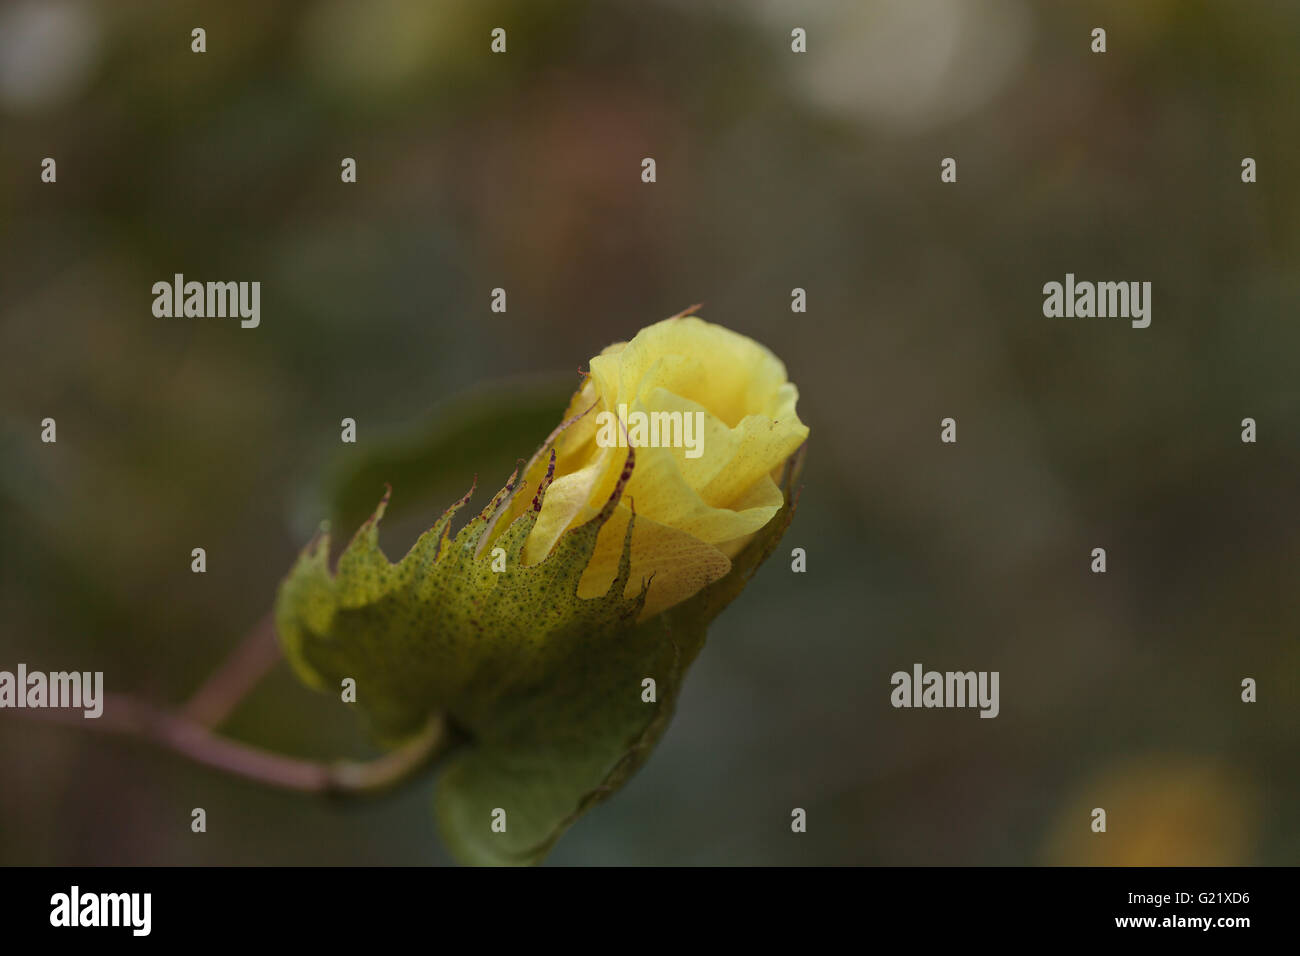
[775, 171]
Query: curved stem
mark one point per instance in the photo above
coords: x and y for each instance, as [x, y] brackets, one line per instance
[186, 736]
[221, 693]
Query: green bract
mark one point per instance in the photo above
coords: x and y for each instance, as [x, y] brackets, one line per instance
[544, 688]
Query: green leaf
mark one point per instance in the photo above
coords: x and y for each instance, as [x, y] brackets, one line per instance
[544, 687]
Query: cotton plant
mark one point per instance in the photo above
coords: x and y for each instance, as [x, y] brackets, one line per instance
[534, 658]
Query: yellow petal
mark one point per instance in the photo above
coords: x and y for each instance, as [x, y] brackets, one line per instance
[697, 502]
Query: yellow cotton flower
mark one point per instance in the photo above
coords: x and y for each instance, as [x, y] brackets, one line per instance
[712, 418]
[483, 630]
